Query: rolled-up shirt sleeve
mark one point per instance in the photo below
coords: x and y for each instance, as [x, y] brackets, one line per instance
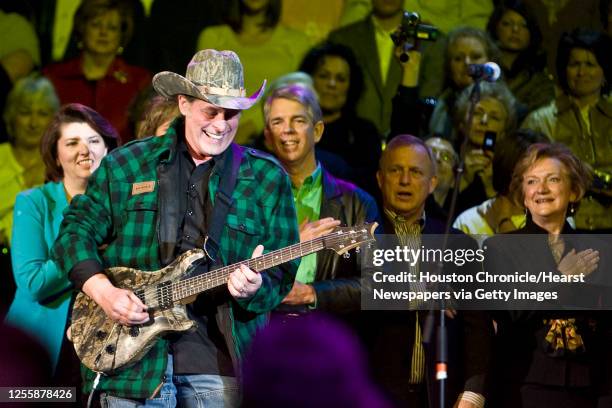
[82, 271]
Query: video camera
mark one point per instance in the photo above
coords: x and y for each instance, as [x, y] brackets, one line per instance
[411, 31]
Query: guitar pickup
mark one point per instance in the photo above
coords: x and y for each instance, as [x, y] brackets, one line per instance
[163, 294]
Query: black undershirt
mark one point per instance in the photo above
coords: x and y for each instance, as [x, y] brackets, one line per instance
[203, 351]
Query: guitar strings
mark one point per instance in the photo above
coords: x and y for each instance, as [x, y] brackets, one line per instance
[270, 258]
[220, 275]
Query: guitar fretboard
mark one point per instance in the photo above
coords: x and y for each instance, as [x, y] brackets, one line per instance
[198, 284]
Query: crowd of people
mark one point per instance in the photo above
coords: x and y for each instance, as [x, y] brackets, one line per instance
[134, 132]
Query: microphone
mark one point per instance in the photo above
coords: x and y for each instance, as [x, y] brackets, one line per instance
[489, 71]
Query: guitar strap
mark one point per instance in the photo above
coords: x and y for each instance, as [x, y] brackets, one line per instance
[222, 204]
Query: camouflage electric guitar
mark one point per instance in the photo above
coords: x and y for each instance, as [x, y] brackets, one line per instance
[104, 346]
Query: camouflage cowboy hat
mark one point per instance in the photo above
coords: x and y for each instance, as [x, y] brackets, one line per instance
[213, 76]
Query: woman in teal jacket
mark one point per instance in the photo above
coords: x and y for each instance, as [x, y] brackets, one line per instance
[72, 147]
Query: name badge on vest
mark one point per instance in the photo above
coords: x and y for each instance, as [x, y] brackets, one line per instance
[143, 187]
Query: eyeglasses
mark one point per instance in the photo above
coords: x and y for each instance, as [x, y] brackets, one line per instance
[443, 155]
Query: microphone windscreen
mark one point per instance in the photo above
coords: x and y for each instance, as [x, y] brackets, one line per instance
[495, 71]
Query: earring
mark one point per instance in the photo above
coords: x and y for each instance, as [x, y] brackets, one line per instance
[120, 50]
[572, 208]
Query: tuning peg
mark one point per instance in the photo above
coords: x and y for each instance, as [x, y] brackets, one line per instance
[357, 250]
[346, 255]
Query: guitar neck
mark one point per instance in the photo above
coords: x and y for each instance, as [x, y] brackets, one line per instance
[218, 277]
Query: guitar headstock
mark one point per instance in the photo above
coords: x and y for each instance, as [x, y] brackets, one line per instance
[343, 239]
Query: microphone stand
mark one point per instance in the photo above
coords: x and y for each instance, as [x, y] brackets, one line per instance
[441, 332]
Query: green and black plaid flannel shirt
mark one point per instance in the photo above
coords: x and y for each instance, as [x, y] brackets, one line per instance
[108, 214]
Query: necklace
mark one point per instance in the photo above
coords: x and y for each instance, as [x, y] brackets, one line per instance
[68, 196]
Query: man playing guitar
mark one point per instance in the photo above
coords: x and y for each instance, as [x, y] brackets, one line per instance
[154, 199]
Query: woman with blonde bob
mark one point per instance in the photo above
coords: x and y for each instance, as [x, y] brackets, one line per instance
[572, 175]
[30, 106]
[553, 356]
[99, 77]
